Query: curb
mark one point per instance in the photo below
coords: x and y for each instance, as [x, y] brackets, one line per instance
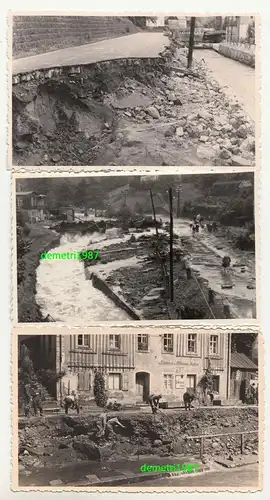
[115, 481]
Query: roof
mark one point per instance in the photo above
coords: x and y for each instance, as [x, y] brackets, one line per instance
[241, 361]
[25, 193]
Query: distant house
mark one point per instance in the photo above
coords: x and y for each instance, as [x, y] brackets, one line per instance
[242, 369]
[31, 203]
[67, 214]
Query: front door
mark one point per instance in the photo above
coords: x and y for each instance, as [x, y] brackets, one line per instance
[142, 385]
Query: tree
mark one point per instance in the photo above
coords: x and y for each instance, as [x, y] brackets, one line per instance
[141, 21]
[243, 343]
[101, 397]
[26, 374]
[206, 382]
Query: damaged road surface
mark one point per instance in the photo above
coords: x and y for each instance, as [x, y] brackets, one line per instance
[147, 111]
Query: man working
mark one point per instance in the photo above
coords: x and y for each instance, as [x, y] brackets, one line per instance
[106, 424]
[153, 400]
[188, 398]
[71, 402]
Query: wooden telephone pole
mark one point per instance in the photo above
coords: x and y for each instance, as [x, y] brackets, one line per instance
[171, 244]
[154, 212]
[191, 42]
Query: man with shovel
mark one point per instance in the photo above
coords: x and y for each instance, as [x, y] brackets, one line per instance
[153, 400]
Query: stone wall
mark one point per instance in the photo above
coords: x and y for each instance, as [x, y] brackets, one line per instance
[38, 34]
[101, 285]
[237, 53]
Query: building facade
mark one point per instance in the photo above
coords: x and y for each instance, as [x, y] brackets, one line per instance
[32, 204]
[135, 365]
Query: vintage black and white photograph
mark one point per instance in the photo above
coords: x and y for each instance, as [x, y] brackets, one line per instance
[177, 409]
[151, 91]
[128, 248]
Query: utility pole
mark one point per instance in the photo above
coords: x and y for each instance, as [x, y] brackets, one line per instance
[178, 203]
[154, 212]
[228, 366]
[191, 42]
[171, 243]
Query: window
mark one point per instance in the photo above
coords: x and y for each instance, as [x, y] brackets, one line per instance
[192, 343]
[216, 383]
[114, 381]
[84, 340]
[213, 344]
[33, 201]
[19, 202]
[191, 383]
[168, 382]
[168, 342]
[142, 342]
[114, 341]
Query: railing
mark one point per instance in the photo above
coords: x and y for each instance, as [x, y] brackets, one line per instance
[211, 436]
[249, 47]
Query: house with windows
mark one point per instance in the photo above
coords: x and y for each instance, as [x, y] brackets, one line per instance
[32, 204]
[135, 365]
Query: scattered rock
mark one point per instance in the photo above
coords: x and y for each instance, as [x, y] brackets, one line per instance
[225, 154]
[203, 138]
[170, 131]
[152, 111]
[239, 161]
[55, 482]
[56, 158]
[206, 152]
[157, 442]
[179, 131]
[177, 102]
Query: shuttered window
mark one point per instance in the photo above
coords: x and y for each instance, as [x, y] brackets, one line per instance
[84, 381]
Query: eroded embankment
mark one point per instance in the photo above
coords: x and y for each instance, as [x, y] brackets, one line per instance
[150, 112]
[59, 440]
[59, 115]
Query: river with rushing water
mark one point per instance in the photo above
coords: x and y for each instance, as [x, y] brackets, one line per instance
[65, 293]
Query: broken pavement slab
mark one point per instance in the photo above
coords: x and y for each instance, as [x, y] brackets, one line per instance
[237, 461]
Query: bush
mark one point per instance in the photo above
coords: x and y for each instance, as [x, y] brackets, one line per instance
[100, 395]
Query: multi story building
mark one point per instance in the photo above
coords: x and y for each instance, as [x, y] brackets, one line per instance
[32, 204]
[136, 365]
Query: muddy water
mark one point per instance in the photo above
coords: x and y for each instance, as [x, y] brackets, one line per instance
[206, 258]
[65, 294]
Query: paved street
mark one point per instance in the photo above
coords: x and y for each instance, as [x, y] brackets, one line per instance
[137, 45]
[237, 77]
[241, 477]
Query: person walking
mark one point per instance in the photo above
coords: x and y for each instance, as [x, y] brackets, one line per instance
[226, 309]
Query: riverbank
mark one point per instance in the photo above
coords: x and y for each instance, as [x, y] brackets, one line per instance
[40, 239]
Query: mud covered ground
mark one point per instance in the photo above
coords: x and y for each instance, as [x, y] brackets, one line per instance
[131, 112]
[142, 286]
[59, 440]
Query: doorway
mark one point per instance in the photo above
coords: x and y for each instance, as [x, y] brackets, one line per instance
[142, 385]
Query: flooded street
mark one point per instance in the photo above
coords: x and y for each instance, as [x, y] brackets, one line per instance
[206, 257]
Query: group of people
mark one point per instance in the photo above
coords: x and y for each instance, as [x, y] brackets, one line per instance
[198, 222]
